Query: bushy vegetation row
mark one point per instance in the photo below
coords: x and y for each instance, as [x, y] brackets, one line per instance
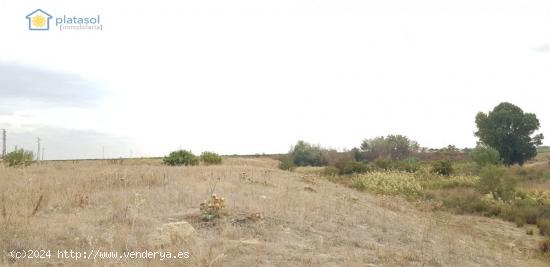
[483, 183]
[19, 157]
[187, 158]
[487, 187]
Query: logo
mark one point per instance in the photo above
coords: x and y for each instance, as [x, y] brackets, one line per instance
[39, 20]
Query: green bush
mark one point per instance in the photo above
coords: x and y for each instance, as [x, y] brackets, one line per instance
[287, 164]
[331, 171]
[483, 156]
[211, 158]
[395, 147]
[181, 157]
[346, 167]
[470, 204]
[494, 180]
[442, 167]
[383, 163]
[530, 212]
[408, 165]
[305, 154]
[19, 157]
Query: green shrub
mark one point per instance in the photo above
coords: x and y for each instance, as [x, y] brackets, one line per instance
[357, 154]
[19, 157]
[408, 165]
[442, 167]
[388, 183]
[383, 163]
[181, 157]
[470, 204]
[346, 167]
[395, 147]
[305, 154]
[494, 180]
[287, 164]
[211, 158]
[527, 211]
[359, 185]
[466, 168]
[331, 171]
[483, 156]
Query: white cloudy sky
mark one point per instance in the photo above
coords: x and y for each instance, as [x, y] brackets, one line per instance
[255, 76]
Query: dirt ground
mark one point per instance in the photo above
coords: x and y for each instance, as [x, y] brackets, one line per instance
[272, 218]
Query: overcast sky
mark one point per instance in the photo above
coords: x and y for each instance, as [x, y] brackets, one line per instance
[255, 76]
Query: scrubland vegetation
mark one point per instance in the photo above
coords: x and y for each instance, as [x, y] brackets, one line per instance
[259, 215]
[387, 202]
[485, 182]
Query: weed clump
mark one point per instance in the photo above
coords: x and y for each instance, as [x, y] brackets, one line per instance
[544, 246]
[544, 226]
[210, 209]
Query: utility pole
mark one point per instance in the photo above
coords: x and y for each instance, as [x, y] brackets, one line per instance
[38, 150]
[103, 151]
[3, 143]
[43, 149]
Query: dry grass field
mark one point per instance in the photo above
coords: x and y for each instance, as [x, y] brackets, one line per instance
[272, 218]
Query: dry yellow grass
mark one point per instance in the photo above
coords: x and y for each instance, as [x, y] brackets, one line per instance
[272, 218]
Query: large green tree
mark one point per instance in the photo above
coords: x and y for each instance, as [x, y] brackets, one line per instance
[510, 131]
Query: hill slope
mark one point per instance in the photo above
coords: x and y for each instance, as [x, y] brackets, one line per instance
[272, 218]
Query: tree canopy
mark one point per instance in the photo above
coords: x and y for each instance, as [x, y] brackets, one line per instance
[395, 147]
[510, 131]
[305, 154]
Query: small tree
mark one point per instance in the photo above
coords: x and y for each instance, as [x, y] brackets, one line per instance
[494, 180]
[510, 131]
[286, 164]
[19, 157]
[181, 157]
[305, 154]
[483, 155]
[211, 158]
[395, 147]
[442, 167]
[357, 154]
